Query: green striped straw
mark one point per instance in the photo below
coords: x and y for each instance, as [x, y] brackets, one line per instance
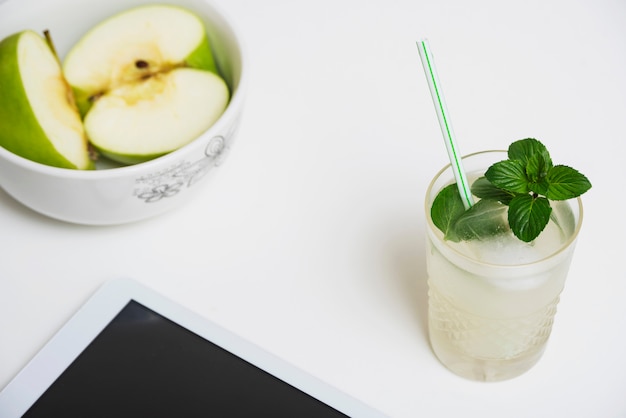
[444, 122]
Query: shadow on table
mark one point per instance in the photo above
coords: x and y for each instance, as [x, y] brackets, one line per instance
[407, 255]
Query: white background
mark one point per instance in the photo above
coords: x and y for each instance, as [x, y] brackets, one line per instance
[309, 240]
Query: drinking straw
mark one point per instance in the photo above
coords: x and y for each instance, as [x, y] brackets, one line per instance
[444, 122]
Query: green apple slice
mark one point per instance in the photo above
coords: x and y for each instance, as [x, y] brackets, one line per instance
[38, 118]
[132, 45]
[136, 122]
[146, 82]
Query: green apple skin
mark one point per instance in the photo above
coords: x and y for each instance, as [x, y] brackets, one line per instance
[84, 60]
[57, 137]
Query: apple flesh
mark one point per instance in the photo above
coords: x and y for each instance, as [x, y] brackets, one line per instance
[146, 82]
[135, 123]
[38, 118]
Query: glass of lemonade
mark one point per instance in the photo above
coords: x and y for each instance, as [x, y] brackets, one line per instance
[492, 301]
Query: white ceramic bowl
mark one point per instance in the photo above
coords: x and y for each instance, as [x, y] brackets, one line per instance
[115, 195]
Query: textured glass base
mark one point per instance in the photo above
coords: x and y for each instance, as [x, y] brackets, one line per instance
[487, 349]
[487, 370]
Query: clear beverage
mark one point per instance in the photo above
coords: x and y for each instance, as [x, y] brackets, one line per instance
[492, 302]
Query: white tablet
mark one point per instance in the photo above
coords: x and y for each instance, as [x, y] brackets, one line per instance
[130, 352]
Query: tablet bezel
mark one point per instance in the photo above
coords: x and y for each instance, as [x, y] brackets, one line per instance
[89, 321]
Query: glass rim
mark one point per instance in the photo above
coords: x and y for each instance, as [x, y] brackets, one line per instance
[430, 224]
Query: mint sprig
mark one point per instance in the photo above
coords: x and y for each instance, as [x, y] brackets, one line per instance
[525, 183]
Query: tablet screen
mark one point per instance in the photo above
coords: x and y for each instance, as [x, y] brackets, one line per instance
[143, 364]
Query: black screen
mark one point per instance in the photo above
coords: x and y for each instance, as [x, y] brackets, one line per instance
[144, 365]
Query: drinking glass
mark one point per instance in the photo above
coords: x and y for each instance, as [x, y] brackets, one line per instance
[492, 302]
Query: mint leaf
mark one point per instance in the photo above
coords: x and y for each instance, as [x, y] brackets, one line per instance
[523, 149]
[446, 208]
[484, 219]
[509, 175]
[535, 158]
[537, 167]
[565, 183]
[528, 216]
[484, 189]
[540, 187]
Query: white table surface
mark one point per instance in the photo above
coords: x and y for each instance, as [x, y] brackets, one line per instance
[309, 240]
